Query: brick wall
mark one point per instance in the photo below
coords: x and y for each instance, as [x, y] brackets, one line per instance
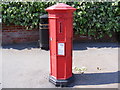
[18, 34]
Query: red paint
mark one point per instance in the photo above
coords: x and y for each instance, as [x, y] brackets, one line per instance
[61, 31]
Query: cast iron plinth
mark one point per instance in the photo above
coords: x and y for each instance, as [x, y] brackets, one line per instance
[61, 83]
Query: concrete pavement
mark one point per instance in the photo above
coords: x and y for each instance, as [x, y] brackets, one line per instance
[26, 66]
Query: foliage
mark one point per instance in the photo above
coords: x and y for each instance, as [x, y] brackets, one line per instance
[97, 19]
[91, 18]
[23, 13]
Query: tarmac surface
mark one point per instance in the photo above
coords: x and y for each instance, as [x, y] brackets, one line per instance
[27, 66]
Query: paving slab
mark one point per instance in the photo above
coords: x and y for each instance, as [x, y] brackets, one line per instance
[27, 66]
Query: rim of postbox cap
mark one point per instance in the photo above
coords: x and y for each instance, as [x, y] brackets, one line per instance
[60, 6]
[44, 16]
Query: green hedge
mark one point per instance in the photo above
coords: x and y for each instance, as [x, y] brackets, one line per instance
[91, 18]
[23, 13]
[97, 19]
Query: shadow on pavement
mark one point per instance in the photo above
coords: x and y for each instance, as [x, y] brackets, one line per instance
[84, 46]
[95, 79]
[76, 45]
[21, 46]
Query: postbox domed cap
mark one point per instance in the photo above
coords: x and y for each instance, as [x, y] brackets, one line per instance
[60, 6]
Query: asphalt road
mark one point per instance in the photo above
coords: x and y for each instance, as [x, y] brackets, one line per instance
[27, 66]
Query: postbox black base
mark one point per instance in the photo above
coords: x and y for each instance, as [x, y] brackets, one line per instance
[61, 83]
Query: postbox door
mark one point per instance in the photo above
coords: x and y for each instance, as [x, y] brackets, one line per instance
[61, 44]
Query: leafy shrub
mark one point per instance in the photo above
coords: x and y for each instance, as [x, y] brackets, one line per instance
[91, 18]
[23, 13]
[97, 19]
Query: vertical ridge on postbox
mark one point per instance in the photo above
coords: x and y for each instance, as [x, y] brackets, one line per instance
[61, 32]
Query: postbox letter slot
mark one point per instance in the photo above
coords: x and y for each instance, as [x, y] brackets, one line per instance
[60, 27]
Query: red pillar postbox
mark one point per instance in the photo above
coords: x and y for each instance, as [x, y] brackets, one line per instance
[61, 33]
